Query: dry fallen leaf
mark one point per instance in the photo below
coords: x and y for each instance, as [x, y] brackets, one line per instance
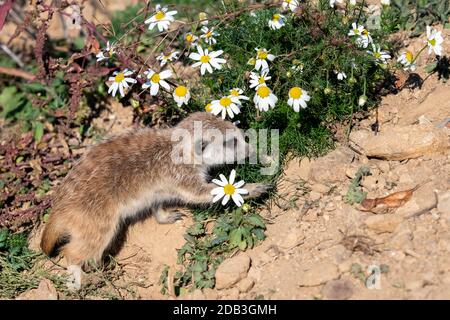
[394, 200]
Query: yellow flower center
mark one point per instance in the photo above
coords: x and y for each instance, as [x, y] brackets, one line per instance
[229, 189]
[208, 107]
[205, 59]
[234, 93]
[119, 77]
[432, 42]
[261, 80]
[225, 102]
[377, 55]
[181, 91]
[295, 92]
[262, 54]
[275, 17]
[189, 37]
[156, 78]
[287, 1]
[111, 52]
[356, 31]
[160, 15]
[365, 32]
[263, 92]
[209, 34]
[409, 56]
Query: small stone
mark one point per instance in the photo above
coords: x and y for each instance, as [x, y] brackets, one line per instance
[230, 294]
[414, 285]
[384, 166]
[320, 188]
[210, 294]
[338, 290]
[330, 206]
[331, 168]
[232, 270]
[383, 223]
[443, 205]
[318, 274]
[314, 196]
[369, 182]
[245, 285]
[292, 239]
[305, 169]
[45, 291]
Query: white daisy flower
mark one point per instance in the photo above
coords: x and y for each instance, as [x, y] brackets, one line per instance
[291, 4]
[407, 60]
[161, 19]
[237, 93]
[181, 95]
[262, 55]
[386, 2]
[155, 80]
[434, 41]
[356, 30]
[257, 80]
[364, 39]
[228, 189]
[191, 39]
[333, 2]
[352, 2]
[340, 75]
[167, 58]
[226, 105]
[209, 35]
[277, 21]
[298, 98]
[207, 60]
[109, 52]
[120, 81]
[264, 98]
[379, 55]
[297, 65]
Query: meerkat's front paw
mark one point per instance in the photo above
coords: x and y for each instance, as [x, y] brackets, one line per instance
[256, 190]
[168, 217]
[74, 280]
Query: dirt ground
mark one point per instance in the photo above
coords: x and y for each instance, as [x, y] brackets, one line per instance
[320, 247]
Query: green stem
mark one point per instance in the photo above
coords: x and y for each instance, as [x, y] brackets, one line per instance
[420, 52]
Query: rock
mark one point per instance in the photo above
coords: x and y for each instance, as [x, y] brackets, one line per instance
[292, 239]
[197, 294]
[338, 290]
[230, 294]
[384, 166]
[245, 285]
[320, 188]
[314, 196]
[443, 205]
[45, 291]
[231, 271]
[402, 142]
[210, 294]
[332, 167]
[383, 223]
[369, 182]
[318, 274]
[305, 169]
[330, 206]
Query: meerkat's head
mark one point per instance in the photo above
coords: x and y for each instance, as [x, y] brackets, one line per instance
[213, 141]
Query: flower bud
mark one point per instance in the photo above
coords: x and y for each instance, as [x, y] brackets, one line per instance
[362, 100]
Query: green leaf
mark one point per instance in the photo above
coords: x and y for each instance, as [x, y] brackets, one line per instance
[235, 237]
[255, 220]
[243, 245]
[430, 67]
[38, 131]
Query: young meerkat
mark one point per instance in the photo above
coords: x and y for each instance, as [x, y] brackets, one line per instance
[135, 173]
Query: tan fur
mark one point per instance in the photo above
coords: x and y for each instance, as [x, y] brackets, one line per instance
[120, 177]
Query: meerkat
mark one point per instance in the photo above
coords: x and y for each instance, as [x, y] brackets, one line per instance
[130, 174]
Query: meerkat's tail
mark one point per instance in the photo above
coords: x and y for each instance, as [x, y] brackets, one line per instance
[52, 238]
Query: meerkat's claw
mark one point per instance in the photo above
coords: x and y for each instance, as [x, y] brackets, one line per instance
[168, 217]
